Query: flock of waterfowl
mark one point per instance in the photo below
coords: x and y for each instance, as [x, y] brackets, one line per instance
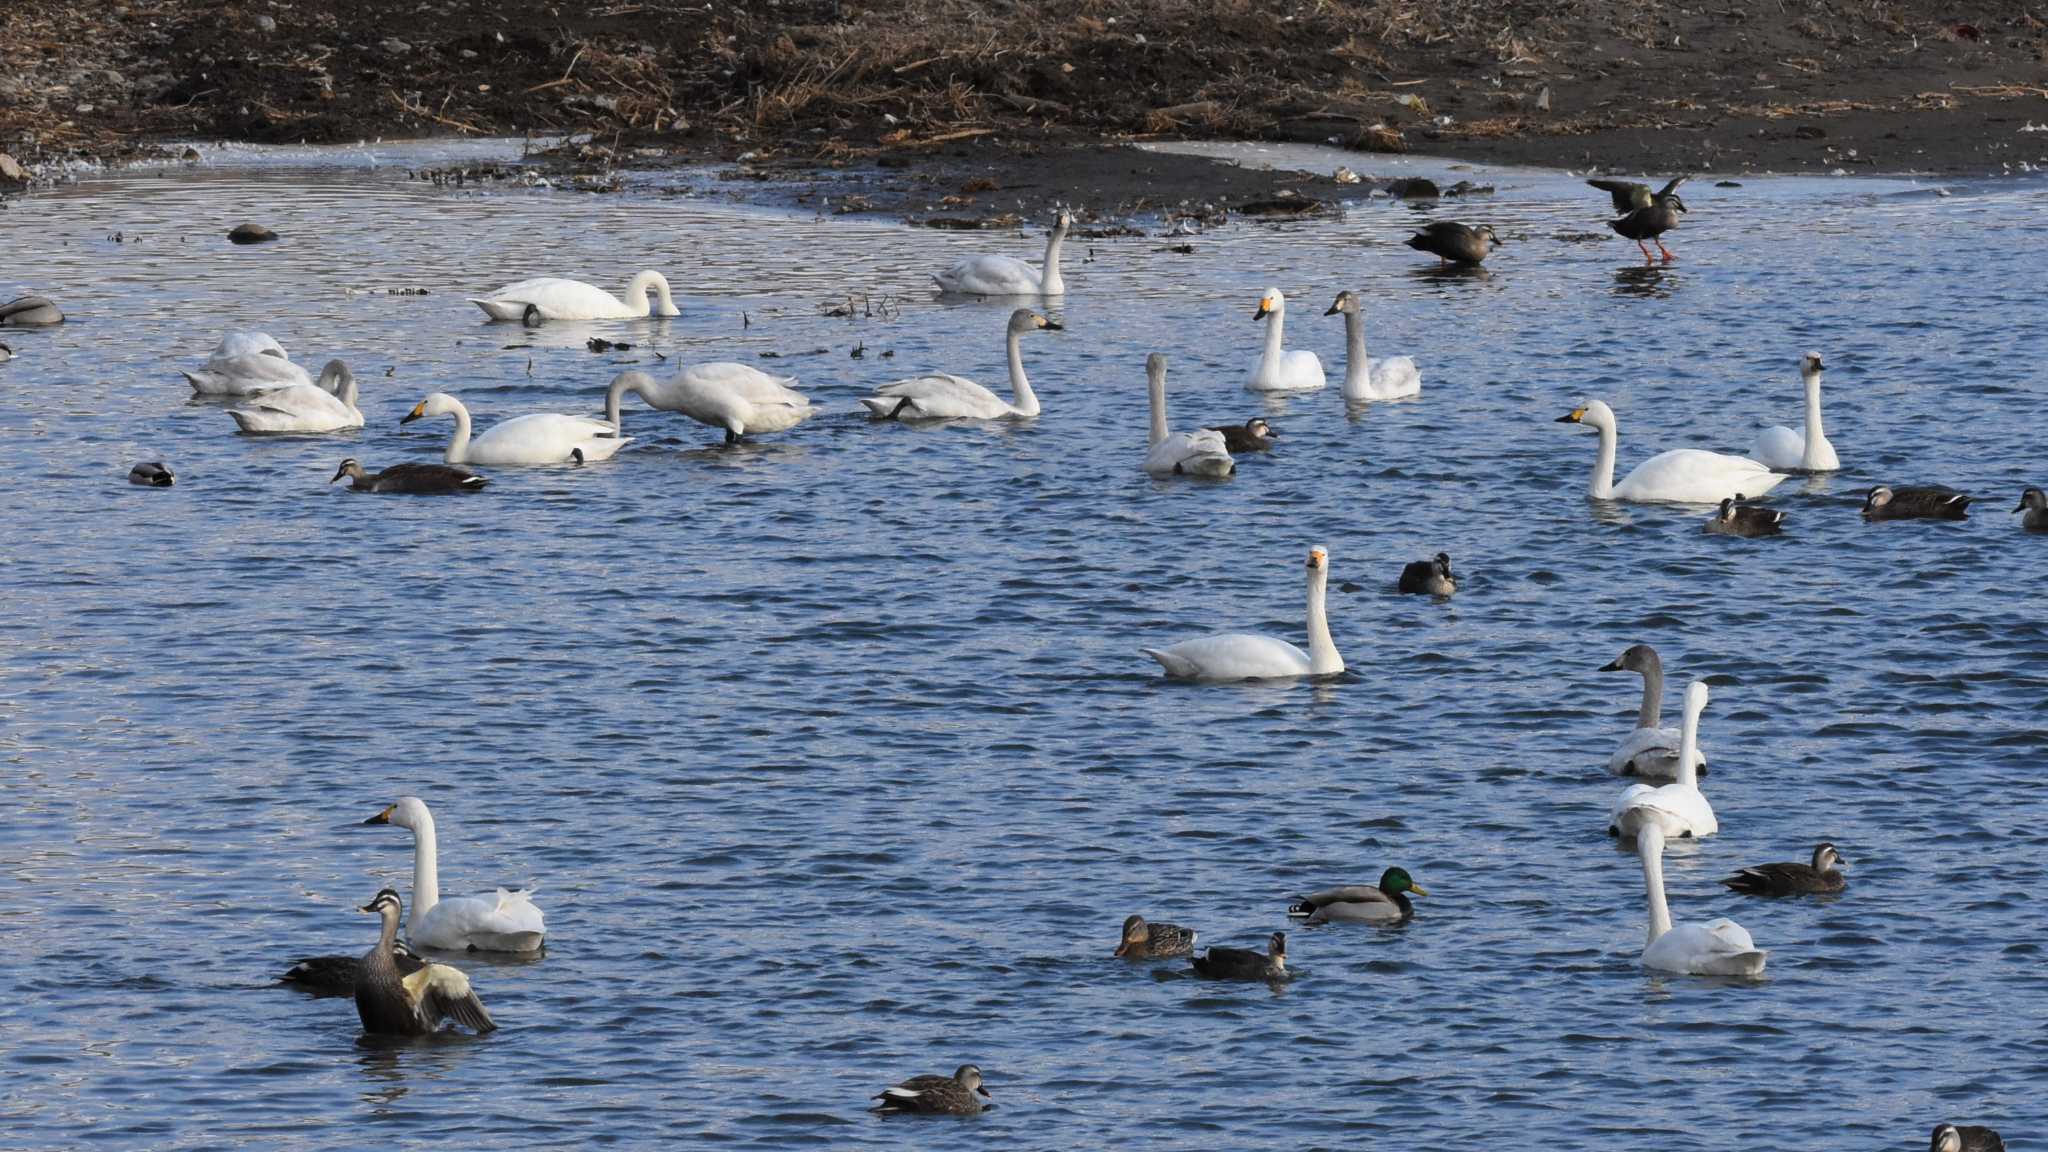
[398, 991]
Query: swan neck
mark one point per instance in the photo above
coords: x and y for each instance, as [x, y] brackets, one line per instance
[636, 295]
[1049, 280]
[1275, 321]
[426, 875]
[1356, 368]
[614, 397]
[1323, 659]
[1689, 748]
[1603, 465]
[458, 445]
[1157, 385]
[1814, 433]
[1651, 714]
[1025, 401]
[1650, 847]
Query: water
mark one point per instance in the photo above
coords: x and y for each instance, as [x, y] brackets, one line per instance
[834, 756]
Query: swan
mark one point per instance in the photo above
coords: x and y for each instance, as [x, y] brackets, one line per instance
[536, 438]
[246, 364]
[29, 312]
[1677, 809]
[1279, 371]
[1007, 275]
[1180, 453]
[735, 397]
[1650, 750]
[941, 396]
[1245, 656]
[398, 994]
[506, 922]
[1715, 948]
[1680, 476]
[328, 406]
[559, 299]
[246, 343]
[1390, 379]
[1805, 448]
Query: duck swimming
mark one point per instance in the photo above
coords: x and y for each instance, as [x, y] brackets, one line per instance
[1429, 577]
[960, 1094]
[1822, 876]
[1907, 502]
[416, 478]
[1245, 964]
[1146, 941]
[1385, 904]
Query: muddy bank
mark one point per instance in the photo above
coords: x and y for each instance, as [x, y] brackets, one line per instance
[948, 95]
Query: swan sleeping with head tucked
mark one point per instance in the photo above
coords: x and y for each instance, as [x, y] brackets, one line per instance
[536, 438]
[736, 397]
[942, 396]
[1680, 476]
[1394, 378]
[504, 922]
[1805, 448]
[1715, 948]
[555, 298]
[1279, 370]
[246, 364]
[1007, 275]
[328, 406]
[1248, 656]
[1679, 809]
[1200, 453]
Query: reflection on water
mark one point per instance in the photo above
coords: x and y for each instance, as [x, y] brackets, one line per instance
[1649, 282]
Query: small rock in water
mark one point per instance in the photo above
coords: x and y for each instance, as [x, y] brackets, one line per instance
[266, 24]
[191, 155]
[600, 344]
[152, 475]
[1413, 188]
[1727, 184]
[251, 234]
[394, 46]
[11, 169]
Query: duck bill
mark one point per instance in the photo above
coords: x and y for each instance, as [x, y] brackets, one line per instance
[984, 1092]
[338, 474]
[1417, 890]
[1123, 948]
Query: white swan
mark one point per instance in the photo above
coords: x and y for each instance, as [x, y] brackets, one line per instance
[1715, 948]
[249, 343]
[1245, 656]
[1007, 275]
[735, 397]
[1650, 750]
[536, 438]
[559, 299]
[1277, 370]
[1393, 378]
[505, 922]
[1682, 476]
[1199, 453]
[1805, 448]
[246, 364]
[941, 396]
[328, 406]
[1677, 809]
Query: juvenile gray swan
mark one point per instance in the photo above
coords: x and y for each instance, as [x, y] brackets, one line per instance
[1965, 1138]
[1743, 519]
[2034, 503]
[431, 479]
[1451, 242]
[398, 994]
[1915, 503]
[1144, 941]
[29, 312]
[960, 1094]
[1650, 750]
[1823, 875]
[1245, 964]
[1429, 577]
[1254, 435]
[152, 475]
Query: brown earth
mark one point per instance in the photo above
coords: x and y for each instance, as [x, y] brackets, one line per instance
[1023, 94]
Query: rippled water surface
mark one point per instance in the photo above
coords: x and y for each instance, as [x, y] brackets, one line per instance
[835, 758]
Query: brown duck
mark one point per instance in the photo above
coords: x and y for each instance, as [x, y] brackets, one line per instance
[1146, 941]
[1452, 242]
[1823, 875]
[1254, 435]
[1915, 503]
[422, 478]
[960, 1094]
[1629, 195]
[1652, 221]
[1744, 519]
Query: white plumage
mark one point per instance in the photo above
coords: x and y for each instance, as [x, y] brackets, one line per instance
[560, 299]
[1248, 656]
[1007, 275]
[1198, 453]
[537, 438]
[505, 921]
[1279, 370]
[1684, 475]
[328, 406]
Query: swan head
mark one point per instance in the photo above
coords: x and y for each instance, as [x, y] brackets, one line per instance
[410, 813]
[2032, 498]
[1591, 413]
[436, 404]
[1062, 222]
[1396, 880]
[1136, 933]
[1638, 658]
[1318, 559]
[1811, 364]
[349, 467]
[1826, 859]
[385, 902]
[1025, 320]
[1346, 302]
[1271, 303]
[1155, 366]
[1695, 697]
[1877, 498]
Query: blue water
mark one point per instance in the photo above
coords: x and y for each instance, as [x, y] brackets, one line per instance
[834, 756]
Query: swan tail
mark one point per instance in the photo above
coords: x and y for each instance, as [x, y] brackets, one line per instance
[1175, 664]
[887, 407]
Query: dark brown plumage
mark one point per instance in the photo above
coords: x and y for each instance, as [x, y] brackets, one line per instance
[1628, 195]
[1651, 222]
[154, 474]
[1254, 435]
[1429, 577]
[1744, 519]
[336, 975]
[1450, 241]
[1915, 503]
[1965, 1138]
[1245, 964]
[1147, 941]
[2034, 503]
[1823, 875]
[960, 1094]
[426, 479]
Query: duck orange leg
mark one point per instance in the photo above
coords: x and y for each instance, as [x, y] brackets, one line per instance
[1668, 256]
[1647, 258]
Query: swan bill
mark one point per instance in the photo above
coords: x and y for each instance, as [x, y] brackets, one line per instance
[383, 817]
[1574, 416]
[419, 412]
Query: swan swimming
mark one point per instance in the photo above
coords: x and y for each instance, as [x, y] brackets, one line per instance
[1650, 751]
[328, 406]
[505, 922]
[1680, 476]
[558, 299]
[735, 397]
[1393, 378]
[1007, 275]
[1715, 948]
[1180, 453]
[536, 438]
[1805, 448]
[942, 396]
[1279, 370]
[1678, 809]
[1247, 656]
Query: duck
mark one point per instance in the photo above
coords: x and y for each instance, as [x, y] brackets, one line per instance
[961, 1094]
[1679, 809]
[1628, 196]
[1650, 750]
[1743, 519]
[29, 312]
[409, 477]
[1247, 656]
[1650, 222]
[1007, 275]
[554, 298]
[1965, 1138]
[336, 975]
[1821, 876]
[1393, 378]
[505, 922]
[736, 397]
[1805, 448]
[1454, 243]
[246, 364]
[941, 396]
[1278, 370]
[1244, 963]
[1680, 476]
[1146, 941]
[2034, 503]
[1200, 453]
[153, 474]
[1908, 502]
[398, 994]
[1254, 435]
[328, 406]
[1387, 903]
[536, 438]
[1715, 948]
[1429, 577]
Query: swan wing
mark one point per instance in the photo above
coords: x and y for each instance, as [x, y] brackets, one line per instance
[1231, 656]
[1716, 948]
[545, 438]
[1692, 476]
[247, 375]
[989, 276]
[1780, 447]
[505, 921]
[1679, 809]
[939, 396]
[745, 381]
[557, 298]
[1300, 369]
[298, 408]
[1395, 377]
[1190, 453]
[237, 344]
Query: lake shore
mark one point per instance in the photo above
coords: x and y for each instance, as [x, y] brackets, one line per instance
[981, 113]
